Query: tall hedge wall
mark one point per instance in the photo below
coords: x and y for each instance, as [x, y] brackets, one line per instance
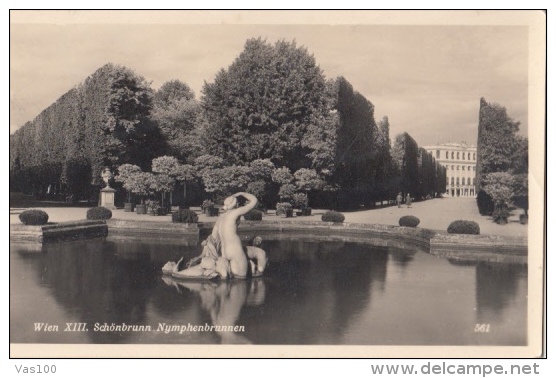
[101, 122]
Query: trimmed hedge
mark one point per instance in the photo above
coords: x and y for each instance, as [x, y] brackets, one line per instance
[409, 221]
[254, 215]
[333, 216]
[99, 213]
[484, 203]
[464, 227]
[33, 217]
[184, 216]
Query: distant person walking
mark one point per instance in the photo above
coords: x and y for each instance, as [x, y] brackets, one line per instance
[399, 199]
[408, 200]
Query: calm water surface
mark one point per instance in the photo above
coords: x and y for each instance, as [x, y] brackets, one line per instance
[313, 292]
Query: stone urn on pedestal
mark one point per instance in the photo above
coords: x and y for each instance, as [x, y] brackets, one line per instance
[107, 193]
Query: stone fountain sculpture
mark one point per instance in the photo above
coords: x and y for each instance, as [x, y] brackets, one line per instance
[223, 254]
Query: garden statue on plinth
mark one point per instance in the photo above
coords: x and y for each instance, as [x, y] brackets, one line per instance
[107, 193]
[223, 254]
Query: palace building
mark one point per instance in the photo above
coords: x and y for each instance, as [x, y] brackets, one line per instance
[460, 161]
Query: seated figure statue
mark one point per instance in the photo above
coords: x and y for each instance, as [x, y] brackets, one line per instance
[223, 253]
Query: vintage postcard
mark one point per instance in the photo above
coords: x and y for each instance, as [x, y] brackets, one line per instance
[277, 183]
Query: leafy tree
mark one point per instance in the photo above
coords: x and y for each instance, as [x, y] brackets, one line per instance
[129, 134]
[500, 150]
[520, 171]
[126, 175]
[207, 162]
[322, 133]
[258, 189]
[226, 181]
[405, 156]
[161, 183]
[167, 165]
[260, 173]
[261, 169]
[166, 170]
[185, 173]
[498, 187]
[282, 176]
[261, 106]
[286, 192]
[176, 111]
[300, 200]
[140, 183]
[173, 91]
[307, 180]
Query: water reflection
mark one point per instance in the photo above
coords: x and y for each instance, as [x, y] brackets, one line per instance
[402, 256]
[223, 301]
[313, 292]
[98, 284]
[496, 288]
[501, 295]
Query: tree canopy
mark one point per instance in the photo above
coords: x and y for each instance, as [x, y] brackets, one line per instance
[261, 106]
[271, 107]
[502, 160]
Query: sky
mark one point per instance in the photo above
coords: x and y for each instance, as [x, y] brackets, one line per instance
[428, 79]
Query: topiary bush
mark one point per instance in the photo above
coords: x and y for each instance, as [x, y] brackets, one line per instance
[100, 212]
[254, 215]
[33, 217]
[333, 216]
[409, 221]
[464, 227]
[184, 216]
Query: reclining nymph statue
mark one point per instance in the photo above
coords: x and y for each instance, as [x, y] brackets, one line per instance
[223, 253]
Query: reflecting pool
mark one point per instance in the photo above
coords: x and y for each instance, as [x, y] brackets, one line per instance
[313, 292]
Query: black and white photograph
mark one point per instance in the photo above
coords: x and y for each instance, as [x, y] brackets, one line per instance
[276, 183]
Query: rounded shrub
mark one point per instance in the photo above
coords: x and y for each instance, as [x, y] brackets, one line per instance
[33, 217]
[333, 216]
[254, 215]
[464, 227]
[409, 221]
[184, 216]
[99, 213]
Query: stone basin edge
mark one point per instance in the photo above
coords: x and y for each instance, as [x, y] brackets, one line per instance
[455, 246]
